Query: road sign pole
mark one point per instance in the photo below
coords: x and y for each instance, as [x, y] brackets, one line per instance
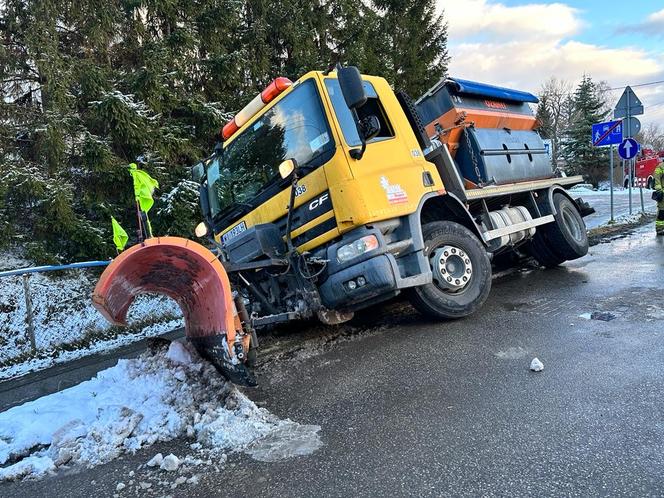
[629, 165]
[629, 161]
[611, 178]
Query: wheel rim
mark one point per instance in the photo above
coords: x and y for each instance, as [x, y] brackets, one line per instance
[452, 268]
[572, 223]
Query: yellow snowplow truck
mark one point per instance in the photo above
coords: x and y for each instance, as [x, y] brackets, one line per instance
[334, 193]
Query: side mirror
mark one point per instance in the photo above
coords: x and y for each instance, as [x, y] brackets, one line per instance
[198, 173]
[287, 167]
[352, 89]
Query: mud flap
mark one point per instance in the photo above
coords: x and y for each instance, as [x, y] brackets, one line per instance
[193, 277]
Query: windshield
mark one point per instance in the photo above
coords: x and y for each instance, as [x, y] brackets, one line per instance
[295, 128]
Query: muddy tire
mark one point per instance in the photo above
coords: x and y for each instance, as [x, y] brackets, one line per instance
[565, 239]
[461, 268]
[539, 249]
[568, 235]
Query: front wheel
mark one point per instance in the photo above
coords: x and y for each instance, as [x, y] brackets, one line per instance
[461, 272]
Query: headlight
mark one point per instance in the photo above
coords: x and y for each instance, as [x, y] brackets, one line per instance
[201, 229]
[357, 248]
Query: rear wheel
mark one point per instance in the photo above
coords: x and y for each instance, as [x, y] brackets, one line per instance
[540, 249]
[461, 272]
[563, 240]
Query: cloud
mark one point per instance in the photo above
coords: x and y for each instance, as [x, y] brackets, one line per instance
[493, 20]
[529, 63]
[526, 64]
[522, 46]
[653, 25]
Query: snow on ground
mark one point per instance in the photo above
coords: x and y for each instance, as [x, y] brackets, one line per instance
[625, 219]
[48, 358]
[159, 396]
[616, 191]
[63, 311]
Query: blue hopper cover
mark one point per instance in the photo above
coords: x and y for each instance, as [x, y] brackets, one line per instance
[457, 85]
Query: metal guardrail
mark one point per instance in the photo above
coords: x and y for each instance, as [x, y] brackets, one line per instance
[26, 272]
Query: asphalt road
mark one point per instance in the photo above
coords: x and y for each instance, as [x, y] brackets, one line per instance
[601, 201]
[410, 407]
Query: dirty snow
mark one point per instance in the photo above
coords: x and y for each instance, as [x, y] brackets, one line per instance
[170, 463]
[63, 314]
[137, 403]
[603, 316]
[536, 365]
[625, 219]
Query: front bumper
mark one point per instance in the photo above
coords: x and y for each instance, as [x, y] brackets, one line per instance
[377, 273]
[397, 263]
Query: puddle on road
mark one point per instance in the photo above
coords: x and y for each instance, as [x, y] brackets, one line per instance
[645, 304]
[513, 353]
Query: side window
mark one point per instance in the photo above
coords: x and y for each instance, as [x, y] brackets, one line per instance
[373, 106]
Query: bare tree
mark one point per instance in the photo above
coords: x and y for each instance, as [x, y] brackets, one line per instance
[607, 96]
[652, 137]
[556, 96]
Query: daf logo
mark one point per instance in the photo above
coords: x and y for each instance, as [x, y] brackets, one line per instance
[319, 202]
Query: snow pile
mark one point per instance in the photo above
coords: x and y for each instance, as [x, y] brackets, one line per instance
[625, 219]
[156, 397]
[62, 310]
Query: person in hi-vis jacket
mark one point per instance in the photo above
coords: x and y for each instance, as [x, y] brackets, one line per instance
[659, 187]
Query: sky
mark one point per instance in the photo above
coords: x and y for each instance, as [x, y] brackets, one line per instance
[521, 44]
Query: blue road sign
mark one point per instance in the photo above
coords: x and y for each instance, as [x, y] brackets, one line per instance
[628, 148]
[609, 133]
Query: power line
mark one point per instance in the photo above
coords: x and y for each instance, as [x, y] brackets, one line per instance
[655, 105]
[640, 84]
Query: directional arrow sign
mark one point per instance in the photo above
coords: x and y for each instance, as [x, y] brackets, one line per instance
[628, 148]
[609, 133]
[629, 104]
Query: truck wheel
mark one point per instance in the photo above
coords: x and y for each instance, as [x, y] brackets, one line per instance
[564, 239]
[539, 249]
[567, 237]
[461, 272]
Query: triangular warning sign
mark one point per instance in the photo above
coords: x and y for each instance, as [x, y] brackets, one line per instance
[628, 102]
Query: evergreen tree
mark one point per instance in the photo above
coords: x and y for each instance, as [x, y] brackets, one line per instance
[413, 43]
[581, 156]
[544, 117]
[90, 87]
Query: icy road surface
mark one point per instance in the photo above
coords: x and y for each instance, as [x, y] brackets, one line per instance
[414, 407]
[601, 201]
[156, 397]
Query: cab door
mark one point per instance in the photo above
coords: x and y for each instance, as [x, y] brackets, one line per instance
[388, 180]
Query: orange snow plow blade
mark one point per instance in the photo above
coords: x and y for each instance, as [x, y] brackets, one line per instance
[192, 276]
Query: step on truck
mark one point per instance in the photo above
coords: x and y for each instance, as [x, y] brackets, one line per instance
[333, 193]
